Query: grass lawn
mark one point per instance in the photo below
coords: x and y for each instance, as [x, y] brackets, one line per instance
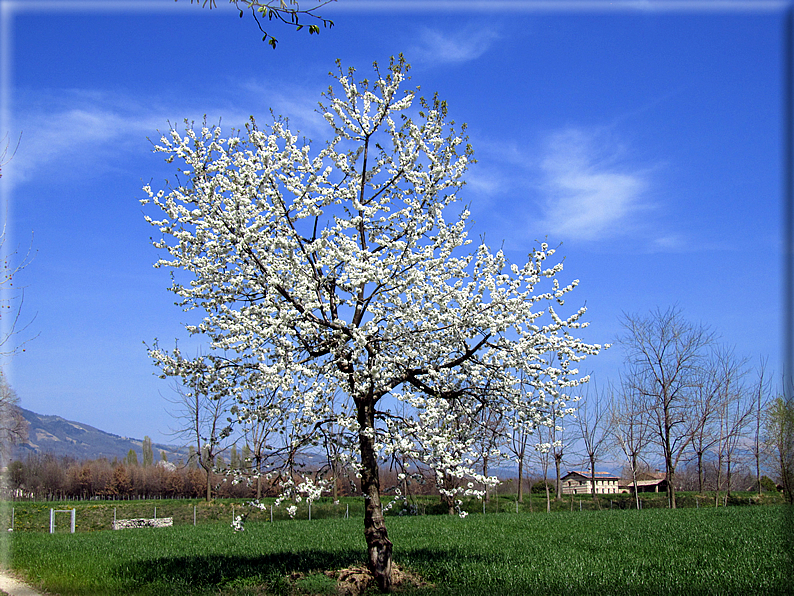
[722, 551]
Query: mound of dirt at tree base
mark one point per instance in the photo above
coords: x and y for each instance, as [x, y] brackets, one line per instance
[357, 580]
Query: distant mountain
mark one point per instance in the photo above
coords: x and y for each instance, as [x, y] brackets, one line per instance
[58, 436]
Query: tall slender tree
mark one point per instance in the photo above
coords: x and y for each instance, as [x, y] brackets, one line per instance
[147, 451]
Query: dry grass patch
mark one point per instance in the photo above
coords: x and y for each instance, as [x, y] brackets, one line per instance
[355, 580]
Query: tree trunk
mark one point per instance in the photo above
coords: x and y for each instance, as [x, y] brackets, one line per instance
[447, 499]
[669, 469]
[485, 473]
[379, 547]
[521, 480]
[548, 497]
[700, 472]
[209, 484]
[593, 482]
[557, 483]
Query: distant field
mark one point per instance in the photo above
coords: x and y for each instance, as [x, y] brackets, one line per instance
[98, 515]
[719, 551]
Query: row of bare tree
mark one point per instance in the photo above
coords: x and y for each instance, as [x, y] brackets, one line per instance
[47, 477]
[682, 398]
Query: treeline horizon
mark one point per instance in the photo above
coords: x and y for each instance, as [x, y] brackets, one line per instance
[51, 477]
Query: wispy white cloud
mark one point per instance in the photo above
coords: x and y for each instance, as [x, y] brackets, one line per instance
[591, 191]
[71, 132]
[452, 47]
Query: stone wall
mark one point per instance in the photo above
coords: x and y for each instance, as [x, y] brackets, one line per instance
[163, 522]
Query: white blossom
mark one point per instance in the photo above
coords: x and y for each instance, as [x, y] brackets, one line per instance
[337, 287]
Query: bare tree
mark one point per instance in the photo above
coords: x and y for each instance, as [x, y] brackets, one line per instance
[706, 429]
[733, 410]
[591, 423]
[261, 422]
[630, 431]
[203, 413]
[760, 402]
[12, 298]
[665, 356]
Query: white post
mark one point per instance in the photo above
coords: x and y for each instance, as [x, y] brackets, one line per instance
[74, 518]
[155, 512]
[271, 514]
[52, 521]
[347, 510]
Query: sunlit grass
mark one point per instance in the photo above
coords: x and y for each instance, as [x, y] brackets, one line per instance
[734, 550]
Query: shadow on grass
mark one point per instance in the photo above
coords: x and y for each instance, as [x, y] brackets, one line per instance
[212, 571]
[231, 574]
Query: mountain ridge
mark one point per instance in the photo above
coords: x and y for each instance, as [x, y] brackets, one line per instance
[61, 437]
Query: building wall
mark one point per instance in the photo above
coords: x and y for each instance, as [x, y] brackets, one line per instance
[580, 486]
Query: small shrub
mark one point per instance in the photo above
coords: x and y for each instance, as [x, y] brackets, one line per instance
[539, 487]
[768, 485]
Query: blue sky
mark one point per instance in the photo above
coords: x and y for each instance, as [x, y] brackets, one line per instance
[645, 140]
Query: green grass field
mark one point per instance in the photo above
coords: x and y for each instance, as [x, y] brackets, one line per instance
[719, 551]
[98, 515]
